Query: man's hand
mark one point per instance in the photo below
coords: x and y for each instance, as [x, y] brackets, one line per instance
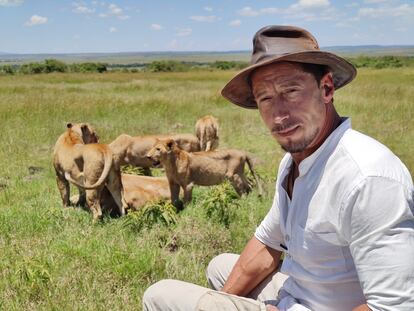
[271, 308]
[255, 263]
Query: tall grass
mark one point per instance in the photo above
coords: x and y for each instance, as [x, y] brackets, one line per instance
[55, 259]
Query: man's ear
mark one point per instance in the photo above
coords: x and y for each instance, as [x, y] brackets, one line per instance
[328, 87]
[69, 125]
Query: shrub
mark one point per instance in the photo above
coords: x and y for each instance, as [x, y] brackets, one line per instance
[378, 62]
[53, 65]
[7, 69]
[227, 65]
[162, 212]
[32, 68]
[88, 67]
[167, 66]
[221, 203]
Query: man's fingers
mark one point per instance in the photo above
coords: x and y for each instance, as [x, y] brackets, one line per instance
[271, 308]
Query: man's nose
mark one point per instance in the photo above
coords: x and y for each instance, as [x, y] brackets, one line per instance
[280, 113]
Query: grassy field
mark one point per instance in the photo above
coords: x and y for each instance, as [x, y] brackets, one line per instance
[55, 259]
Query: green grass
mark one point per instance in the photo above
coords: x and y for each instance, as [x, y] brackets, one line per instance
[55, 259]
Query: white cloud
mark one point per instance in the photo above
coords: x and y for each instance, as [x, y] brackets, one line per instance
[374, 1]
[112, 29]
[248, 11]
[207, 19]
[11, 2]
[402, 10]
[81, 8]
[208, 9]
[235, 23]
[352, 5]
[184, 32]
[36, 20]
[114, 9]
[310, 4]
[156, 27]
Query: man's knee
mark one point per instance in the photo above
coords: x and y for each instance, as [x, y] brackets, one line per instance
[172, 295]
[154, 295]
[219, 269]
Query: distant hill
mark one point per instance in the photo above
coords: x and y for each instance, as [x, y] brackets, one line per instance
[200, 57]
[372, 50]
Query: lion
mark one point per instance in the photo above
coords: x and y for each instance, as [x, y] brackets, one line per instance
[80, 159]
[138, 191]
[133, 150]
[204, 168]
[207, 133]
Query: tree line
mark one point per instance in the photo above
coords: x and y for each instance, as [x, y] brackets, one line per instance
[53, 65]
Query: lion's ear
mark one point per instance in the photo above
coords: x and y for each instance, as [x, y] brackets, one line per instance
[84, 128]
[69, 125]
[170, 144]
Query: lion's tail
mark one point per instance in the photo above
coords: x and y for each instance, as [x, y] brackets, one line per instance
[250, 164]
[107, 167]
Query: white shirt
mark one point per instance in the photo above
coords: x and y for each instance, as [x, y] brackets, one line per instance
[349, 228]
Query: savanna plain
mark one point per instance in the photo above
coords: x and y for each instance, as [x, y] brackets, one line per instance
[53, 258]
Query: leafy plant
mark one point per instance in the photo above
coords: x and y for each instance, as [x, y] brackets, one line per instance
[161, 212]
[221, 203]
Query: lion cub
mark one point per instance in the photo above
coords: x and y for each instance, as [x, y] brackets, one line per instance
[80, 159]
[207, 132]
[133, 149]
[186, 169]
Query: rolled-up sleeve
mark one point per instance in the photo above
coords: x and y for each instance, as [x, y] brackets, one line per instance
[268, 232]
[377, 220]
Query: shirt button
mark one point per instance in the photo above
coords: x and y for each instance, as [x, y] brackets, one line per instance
[287, 238]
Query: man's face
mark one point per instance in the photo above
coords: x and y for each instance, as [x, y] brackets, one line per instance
[291, 104]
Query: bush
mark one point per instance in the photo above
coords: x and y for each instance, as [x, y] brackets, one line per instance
[7, 69]
[88, 67]
[53, 65]
[227, 65]
[156, 213]
[379, 62]
[167, 66]
[221, 203]
[32, 68]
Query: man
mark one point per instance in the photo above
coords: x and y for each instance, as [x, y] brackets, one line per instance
[343, 208]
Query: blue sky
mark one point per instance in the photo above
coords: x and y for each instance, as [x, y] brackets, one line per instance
[59, 26]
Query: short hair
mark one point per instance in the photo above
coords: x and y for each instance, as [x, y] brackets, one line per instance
[316, 70]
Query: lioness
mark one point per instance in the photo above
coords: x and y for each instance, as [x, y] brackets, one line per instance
[207, 132]
[204, 168]
[80, 159]
[133, 150]
[138, 191]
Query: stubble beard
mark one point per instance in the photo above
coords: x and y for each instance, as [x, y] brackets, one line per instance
[299, 146]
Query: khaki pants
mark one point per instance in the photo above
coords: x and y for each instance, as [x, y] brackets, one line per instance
[174, 295]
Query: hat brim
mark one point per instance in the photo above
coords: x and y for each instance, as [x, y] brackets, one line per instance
[239, 92]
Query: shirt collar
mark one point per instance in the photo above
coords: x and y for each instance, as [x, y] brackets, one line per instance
[326, 148]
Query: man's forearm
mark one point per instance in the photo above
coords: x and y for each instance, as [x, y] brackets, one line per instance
[256, 262]
[363, 307]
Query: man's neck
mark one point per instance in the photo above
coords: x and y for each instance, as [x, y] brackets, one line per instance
[333, 120]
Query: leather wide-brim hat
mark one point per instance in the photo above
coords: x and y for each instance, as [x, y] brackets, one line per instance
[285, 43]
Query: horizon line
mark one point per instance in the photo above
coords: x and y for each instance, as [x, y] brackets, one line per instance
[196, 51]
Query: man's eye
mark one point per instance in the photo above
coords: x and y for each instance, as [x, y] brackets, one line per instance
[266, 99]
